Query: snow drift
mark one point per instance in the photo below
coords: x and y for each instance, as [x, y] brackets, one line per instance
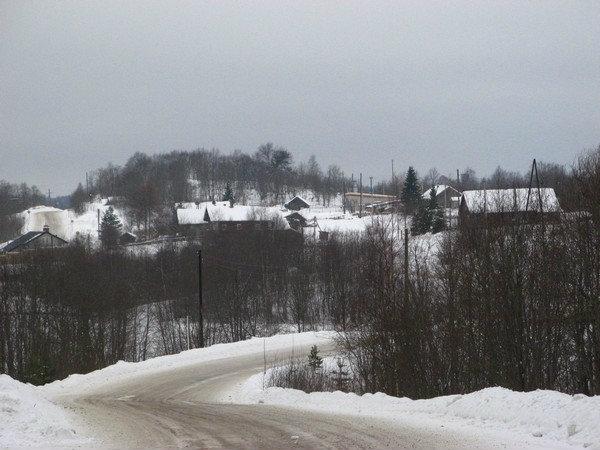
[542, 418]
[27, 418]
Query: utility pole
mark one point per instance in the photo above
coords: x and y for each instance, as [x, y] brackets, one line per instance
[446, 207]
[200, 317]
[372, 200]
[361, 196]
[537, 179]
[457, 178]
[405, 265]
[344, 196]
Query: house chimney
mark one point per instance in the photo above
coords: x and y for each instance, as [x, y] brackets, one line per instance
[46, 229]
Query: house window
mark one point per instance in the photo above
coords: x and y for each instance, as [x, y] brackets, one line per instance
[239, 226]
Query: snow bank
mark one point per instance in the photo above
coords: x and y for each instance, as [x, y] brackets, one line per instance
[28, 419]
[539, 418]
[122, 370]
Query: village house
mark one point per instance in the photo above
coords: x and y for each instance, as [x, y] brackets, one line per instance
[503, 206]
[357, 202]
[446, 196]
[34, 240]
[226, 216]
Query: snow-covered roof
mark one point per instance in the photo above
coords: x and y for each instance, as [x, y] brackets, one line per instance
[190, 216]
[223, 212]
[510, 200]
[298, 199]
[25, 239]
[439, 189]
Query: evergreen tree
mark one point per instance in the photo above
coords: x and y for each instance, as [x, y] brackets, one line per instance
[228, 196]
[436, 214]
[411, 192]
[110, 229]
[340, 376]
[314, 360]
[421, 221]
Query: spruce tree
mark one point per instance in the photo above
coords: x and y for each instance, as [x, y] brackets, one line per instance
[436, 213]
[110, 229]
[411, 192]
[421, 221]
[314, 360]
[228, 196]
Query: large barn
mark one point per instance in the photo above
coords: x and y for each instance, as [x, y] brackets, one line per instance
[501, 206]
[224, 216]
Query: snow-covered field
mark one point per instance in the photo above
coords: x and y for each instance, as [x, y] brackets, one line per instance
[29, 416]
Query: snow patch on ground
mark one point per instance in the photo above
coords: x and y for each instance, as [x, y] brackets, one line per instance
[538, 418]
[28, 419]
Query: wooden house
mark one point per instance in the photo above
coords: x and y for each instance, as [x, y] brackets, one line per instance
[506, 206]
[34, 240]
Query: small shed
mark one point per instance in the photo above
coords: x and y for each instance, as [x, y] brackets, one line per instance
[296, 220]
[127, 238]
[296, 204]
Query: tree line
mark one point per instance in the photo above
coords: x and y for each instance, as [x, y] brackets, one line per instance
[149, 186]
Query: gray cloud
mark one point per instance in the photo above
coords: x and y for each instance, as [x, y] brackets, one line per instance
[356, 83]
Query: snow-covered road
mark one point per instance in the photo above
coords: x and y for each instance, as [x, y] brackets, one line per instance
[213, 397]
[179, 407]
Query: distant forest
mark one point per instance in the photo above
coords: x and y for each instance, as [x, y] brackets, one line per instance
[148, 184]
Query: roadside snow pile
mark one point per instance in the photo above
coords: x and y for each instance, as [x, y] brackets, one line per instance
[27, 419]
[545, 418]
[124, 370]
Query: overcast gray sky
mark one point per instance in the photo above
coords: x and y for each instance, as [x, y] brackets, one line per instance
[356, 82]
